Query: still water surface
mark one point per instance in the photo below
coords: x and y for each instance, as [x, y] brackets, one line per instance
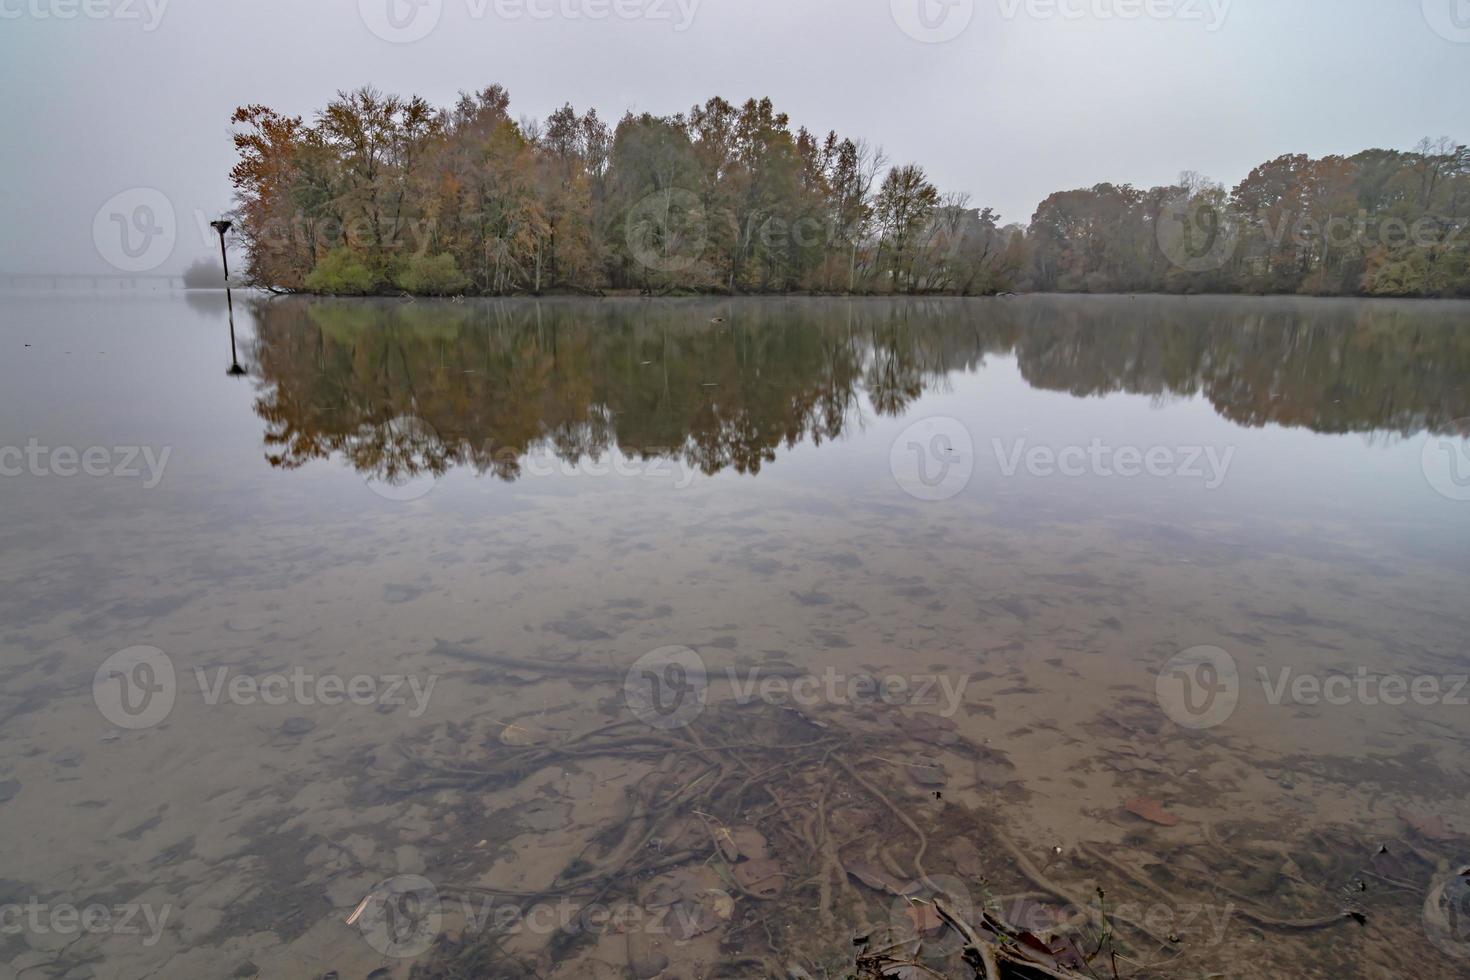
[1181, 582]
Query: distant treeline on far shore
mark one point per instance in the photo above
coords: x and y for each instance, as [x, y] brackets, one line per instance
[386, 195]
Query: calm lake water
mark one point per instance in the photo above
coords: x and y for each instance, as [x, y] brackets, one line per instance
[1164, 595]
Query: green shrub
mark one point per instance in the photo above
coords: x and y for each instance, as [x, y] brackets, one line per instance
[432, 275]
[341, 273]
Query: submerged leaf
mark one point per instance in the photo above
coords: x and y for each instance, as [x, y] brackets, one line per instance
[878, 879]
[1430, 827]
[763, 877]
[1151, 810]
[928, 771]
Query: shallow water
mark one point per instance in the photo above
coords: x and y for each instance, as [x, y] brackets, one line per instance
[1201, 554]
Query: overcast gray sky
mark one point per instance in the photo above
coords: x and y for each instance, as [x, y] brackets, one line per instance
[1029, 96]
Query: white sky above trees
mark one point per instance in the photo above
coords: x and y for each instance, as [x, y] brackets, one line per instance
[1033, 96]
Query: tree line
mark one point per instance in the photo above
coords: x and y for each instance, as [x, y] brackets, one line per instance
[386, 195]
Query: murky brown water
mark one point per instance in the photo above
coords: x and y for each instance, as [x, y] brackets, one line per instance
[1164, 596]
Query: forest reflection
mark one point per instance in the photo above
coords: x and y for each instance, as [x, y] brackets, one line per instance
[404, 388]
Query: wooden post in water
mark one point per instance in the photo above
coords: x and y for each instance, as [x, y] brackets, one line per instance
[223, 226]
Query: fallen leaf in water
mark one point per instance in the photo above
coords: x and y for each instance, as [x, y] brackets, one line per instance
[68, 758]
[661, 895]
[1430, 827]
[544, 815]
[925, 920]
[720, 903]
[1151, 810]
[644, 957]
[703, 912]
[928, 771]
[878, 879]
[929, 728]
[1030, 915]
[297, 726]
[749, 843]
[522, 676]
[966, 857]
[647, 964]
[904, 971]
[993, 767]
[517, 736]
[739, 842]
[683, 884]
[763, 877]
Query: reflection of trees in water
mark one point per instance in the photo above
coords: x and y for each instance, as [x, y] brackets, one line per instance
[495, 382]
[1329, 366]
